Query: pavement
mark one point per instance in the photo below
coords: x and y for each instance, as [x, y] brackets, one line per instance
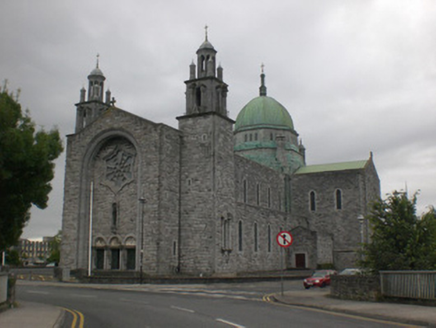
[36, 315]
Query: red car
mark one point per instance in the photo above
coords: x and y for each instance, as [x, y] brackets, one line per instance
[319, 279]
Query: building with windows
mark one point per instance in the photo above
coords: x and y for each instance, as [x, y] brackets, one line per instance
[34, 252]
[209, 197]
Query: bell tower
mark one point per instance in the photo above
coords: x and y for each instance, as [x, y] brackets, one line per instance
[207, 174]
[205, 90]
[89, 108]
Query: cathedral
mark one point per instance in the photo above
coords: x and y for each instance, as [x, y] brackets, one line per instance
[210, 197]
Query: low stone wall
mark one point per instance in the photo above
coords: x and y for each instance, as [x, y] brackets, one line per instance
[356, 287]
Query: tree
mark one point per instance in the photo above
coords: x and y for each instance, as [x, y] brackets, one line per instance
[55, 246]
[26, 167]
[400, 239]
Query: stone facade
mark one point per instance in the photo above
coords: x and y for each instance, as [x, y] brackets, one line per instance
[203, 199]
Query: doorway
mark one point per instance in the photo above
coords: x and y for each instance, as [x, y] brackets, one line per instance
[300, 260]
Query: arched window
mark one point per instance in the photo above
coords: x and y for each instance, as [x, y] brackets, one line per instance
[245, 191]
[338, 197]
[226, 244]
[240, 236]
[312, 201]
[256, 237]
[114, 214]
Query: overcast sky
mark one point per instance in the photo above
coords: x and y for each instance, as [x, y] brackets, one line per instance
[356, 76]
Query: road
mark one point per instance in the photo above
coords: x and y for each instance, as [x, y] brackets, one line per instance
[217, 305]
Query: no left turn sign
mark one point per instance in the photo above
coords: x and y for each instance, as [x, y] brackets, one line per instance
[284, 239]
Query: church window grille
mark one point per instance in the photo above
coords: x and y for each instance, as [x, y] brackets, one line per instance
[256, 238]
[245, 191]
[338, 195]
[312, 201]
[257, 194]
[240, 236]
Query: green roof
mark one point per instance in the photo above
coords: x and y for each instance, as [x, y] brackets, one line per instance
[266, 112]
[356, 165]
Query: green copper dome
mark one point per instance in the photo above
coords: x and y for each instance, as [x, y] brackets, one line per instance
[266, 112]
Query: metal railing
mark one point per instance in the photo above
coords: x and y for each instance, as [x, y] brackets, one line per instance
[409, 284]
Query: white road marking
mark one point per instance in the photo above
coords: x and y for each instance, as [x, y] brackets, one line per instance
[229, 323]
[182, 309]
[37, 292]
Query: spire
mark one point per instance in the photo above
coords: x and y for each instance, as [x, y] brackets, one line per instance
[262, 89]
[205, 31]
[98, 61]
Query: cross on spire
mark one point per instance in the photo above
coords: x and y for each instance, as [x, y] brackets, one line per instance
[205, 31]
[262, 66]
[98, 58]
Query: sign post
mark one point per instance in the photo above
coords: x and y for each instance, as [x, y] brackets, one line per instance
[284, 240]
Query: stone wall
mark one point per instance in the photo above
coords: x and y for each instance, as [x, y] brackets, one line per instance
[356, 287]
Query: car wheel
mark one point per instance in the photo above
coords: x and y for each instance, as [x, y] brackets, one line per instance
[307, 287]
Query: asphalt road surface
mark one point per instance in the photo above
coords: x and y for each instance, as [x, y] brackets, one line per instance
[191, 306]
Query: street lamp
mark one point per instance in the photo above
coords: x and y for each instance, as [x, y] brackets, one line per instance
[142, 201]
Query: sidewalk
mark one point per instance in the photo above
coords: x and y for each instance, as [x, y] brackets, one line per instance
[403, 313]
[32, 315]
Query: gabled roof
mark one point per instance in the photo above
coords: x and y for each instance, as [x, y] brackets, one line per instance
[355, 165]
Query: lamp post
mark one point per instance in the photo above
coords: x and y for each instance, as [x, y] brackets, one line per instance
[142, 201]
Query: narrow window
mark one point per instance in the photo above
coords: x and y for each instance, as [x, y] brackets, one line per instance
[271, 137]
[245, 191]
[269, 197]
[312, 201]
[115, 259]
[174, 248]
[258, 194]
[251, 137]
[240, 236]
[99, 259]
[338, 199]
[255, 136]
[226, 234]
[198, 97]
[114, 214]
[131, 256]
[269, 239]
[280, 201]
[256, 244]
[246, 138]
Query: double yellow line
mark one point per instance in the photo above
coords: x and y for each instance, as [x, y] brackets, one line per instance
[78, 318]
